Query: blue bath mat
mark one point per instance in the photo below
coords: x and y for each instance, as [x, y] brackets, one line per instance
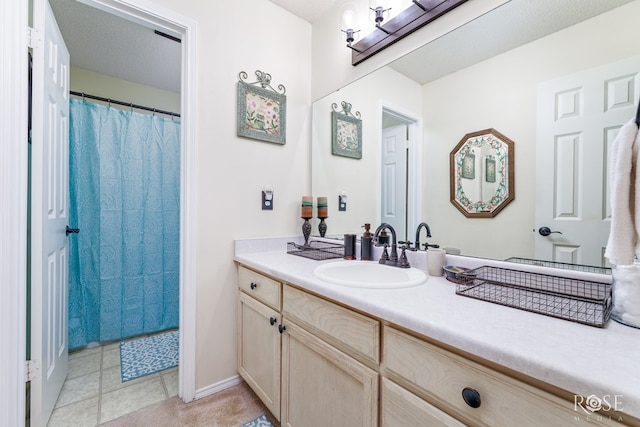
[145, 356]
[261, 421]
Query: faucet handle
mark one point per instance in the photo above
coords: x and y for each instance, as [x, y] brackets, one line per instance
[403, 262]
[427, 246]
[385, 254]
[406, 245]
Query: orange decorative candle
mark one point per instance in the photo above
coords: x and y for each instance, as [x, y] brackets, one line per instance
[322, 207]
[307, 207]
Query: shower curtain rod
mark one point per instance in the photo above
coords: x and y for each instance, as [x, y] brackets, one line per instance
[126, 104]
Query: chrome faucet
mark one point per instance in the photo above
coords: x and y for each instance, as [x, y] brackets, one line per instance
[393, 258]
[426, 245]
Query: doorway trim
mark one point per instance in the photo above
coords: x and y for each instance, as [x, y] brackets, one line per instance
[13, 209]
[169, 22]
[14, 43]
[414, 172]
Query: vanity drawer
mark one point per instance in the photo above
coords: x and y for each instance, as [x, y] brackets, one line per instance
[403, 408]
[260, 287]
[440, 376]
[351, 332]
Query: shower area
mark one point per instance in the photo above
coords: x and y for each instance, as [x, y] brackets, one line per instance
[124, 174]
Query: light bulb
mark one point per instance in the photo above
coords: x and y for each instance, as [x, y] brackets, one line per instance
[348, 19]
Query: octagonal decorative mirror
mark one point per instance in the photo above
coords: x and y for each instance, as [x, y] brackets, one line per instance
[482, 174]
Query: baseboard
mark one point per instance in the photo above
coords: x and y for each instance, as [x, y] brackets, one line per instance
[218, 387]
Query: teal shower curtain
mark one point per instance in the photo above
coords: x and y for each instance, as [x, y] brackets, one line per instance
[125, 199]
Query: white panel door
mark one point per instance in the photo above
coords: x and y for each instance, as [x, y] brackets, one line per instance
[394, 178]
[578, 119]
[49, 213]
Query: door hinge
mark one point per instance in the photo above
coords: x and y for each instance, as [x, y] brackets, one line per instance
[34, 37]
[31, 370]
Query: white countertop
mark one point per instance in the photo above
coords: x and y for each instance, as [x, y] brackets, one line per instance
[581, 359]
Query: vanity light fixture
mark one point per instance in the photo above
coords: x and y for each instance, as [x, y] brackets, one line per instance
[418, 14]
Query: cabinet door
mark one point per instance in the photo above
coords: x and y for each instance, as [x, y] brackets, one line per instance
[322, 386]
[259, 350]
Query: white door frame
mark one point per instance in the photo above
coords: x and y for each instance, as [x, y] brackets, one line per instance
[13, 192]
[13, 209]
[154, 16]
[414, 171]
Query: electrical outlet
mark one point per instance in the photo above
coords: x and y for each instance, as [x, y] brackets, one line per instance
[267, 200]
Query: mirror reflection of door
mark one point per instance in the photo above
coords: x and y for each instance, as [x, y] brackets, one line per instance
[398, 138]
[578, 119]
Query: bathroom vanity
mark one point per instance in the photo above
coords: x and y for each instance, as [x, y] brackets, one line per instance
[319, 354]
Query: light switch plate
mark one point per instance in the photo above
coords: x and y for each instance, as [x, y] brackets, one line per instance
[342, 203]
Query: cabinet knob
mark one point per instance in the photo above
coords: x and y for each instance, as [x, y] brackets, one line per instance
[272, 320]
[281, 328]
[253, 285]
[471, 397]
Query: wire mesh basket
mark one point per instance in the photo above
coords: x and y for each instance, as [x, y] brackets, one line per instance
[316, 250]
[563, 265]
[576, 300]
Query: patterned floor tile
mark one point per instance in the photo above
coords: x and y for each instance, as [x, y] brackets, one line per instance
[79, 388]
[80, 414]
[131, 398]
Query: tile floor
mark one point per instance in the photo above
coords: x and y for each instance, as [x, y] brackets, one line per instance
[93, 392]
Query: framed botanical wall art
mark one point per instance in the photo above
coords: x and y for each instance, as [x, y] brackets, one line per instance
[469, 166]
[262, 110]
[490, 170]
[346, 132]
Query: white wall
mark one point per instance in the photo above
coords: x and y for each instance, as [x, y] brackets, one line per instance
[236, 36]
[501, 93]
[93, 83]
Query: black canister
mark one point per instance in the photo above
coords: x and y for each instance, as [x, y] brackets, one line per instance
[349, 246]
[383, 238]
[366, 244]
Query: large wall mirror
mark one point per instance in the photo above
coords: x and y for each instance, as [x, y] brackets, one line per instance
[489, 73]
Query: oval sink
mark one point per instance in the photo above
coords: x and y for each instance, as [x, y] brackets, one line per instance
[369, 274]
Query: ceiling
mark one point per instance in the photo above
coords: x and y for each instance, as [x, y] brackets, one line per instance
[104, 43]
[513, 24]
[107, 44]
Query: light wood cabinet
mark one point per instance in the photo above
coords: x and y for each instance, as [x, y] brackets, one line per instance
[351, 332]
[260, 287]
[259, 350]
[441, 376]
[317, 363]
[302, 378]
[400, 407]
[322, 386]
